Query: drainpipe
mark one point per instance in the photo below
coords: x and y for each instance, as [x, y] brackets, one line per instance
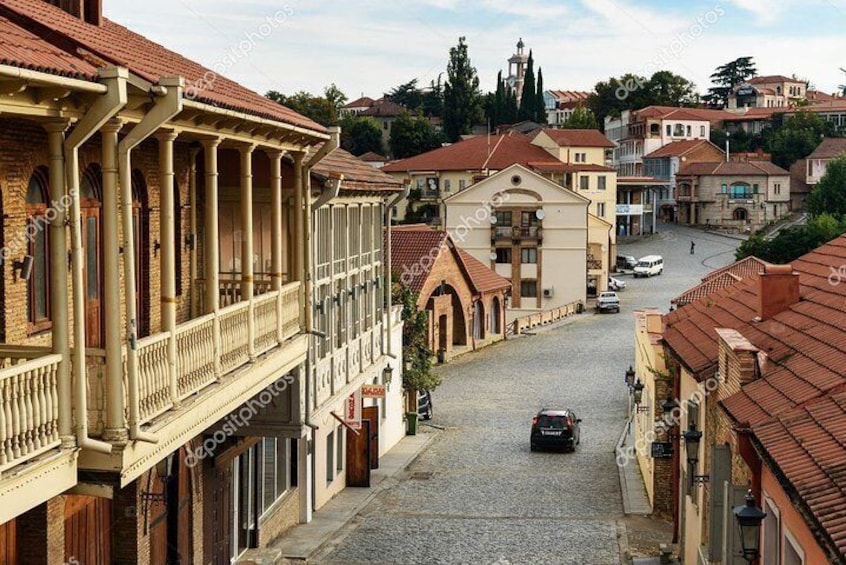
[104, 109]
[167, 104]
[388, 263]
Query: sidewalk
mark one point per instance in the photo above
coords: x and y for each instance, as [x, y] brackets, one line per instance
[635, 500]
[303, 541]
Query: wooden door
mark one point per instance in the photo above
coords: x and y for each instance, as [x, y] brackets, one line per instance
[88, 523]
[358, 456]
[371, 414]
[8, 543]
[181, 525]
[157, 516]
[217, 518]
[92, 275]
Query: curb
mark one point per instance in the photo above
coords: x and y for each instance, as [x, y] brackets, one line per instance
[618, 449]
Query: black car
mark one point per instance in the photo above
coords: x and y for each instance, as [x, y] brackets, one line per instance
[424, 405]
[555, 428]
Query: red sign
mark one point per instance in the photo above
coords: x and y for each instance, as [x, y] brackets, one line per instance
[352, 410]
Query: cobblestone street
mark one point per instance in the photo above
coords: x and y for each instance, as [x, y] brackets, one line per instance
[478, 495]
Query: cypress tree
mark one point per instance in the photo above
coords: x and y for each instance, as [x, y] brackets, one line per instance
[528, 98]
[540, 103]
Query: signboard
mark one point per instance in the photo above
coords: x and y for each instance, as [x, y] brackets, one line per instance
[629, 209]
[352, 410]
[662, 450]
[373, 391]
[745, 91]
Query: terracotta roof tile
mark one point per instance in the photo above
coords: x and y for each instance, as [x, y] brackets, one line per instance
[700, 114]
[24, 49]
[363, 102]
[494, 153]
[118, 45]
[410, 244]
[679, 148]
[358, 175]
[384, 108]
[579, 138]
[771, 78]
[743, 168]
[484, 279]
[830, 148]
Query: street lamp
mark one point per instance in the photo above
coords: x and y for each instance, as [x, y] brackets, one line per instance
[749, 517]
[692, 438]
[387, 374]
[670, 405]
[637, 392]
[630, 376]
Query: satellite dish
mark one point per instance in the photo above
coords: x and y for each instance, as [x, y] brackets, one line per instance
[493, 219]
[493, 256]
[539, 214]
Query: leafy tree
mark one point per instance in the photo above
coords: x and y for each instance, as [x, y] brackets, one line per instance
[407, 95]
[462, 99]
[633, 92]
[540, 103]
[667, 89]
[360, 135]
[581, 118]
[726, 77]
[501, 107]
[842, 87]
[740, 141]
[417, 356]
[792, 243]
[528, 100]
[795, 138]
[336, 99]
[433, 100]
[412, 136]
[324, 110]
[829, 195]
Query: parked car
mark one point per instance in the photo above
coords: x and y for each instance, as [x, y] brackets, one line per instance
[626, 262]
[555, 428]
[608, 301]
[616, 284]
[649, 265]
[424, 405]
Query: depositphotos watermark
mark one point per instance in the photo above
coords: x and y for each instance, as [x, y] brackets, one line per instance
[837, 276]
[238, 52]
[238, 420]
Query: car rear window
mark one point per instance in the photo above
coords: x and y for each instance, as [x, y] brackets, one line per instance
[552, 422]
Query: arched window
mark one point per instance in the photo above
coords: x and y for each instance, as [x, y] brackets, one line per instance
[177, 234]
[141, 234]
[38, 247]
[740, 190]
[740, 214]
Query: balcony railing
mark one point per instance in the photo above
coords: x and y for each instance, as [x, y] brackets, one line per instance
[593, 263]
[275, 317]
[429, 194]
[230, 288]
[29, 404]
[516, 232]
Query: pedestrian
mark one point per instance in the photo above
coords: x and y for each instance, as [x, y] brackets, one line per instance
[692, 247]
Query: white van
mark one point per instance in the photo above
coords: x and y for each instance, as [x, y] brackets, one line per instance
[649, 265]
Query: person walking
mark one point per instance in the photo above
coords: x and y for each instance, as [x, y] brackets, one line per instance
[692, 247]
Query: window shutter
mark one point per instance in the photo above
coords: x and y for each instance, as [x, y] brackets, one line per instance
[720, 475]
[734, 495]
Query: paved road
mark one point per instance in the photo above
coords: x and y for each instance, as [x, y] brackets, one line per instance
[478, 495]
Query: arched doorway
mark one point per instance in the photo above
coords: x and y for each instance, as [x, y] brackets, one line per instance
[496, 326]
[141, 239]
[478, 320]
[740, 214]
[171, 521]
[459, 324]
[90, 200]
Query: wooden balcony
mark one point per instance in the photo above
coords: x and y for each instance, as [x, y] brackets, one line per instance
[212, 376]
[33, 465]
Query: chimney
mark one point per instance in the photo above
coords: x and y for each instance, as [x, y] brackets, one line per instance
[90, 11]
[738, 361]
[778, 290]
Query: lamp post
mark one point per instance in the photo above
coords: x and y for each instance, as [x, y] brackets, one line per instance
[749, 517]
[387, 375]
[692, 438]
[637, 396]
[630, 377]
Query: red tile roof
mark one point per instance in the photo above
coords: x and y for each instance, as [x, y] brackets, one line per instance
[819, 96]
[560, 167]
[570, 95]
[680, 148]
[693, 114]
[733, 168]
[372, 157]
[830, 148]
[483, 278]
[768, 79]
[728, 276]
[494, 153]
[807, 447]
[117, 45]
[363, 102]
[754, 114]
[579, 138]
[358, 175]
[24, 49]
[384, 108]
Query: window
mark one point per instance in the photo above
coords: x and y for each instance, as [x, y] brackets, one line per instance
[503, 255]
[339, 460]
[669, 130]
[702, 131]
[600, 209]
[330, 457]
[529, 255]
[601, 182]
[528, 219]
[777, 188]
[462, 184]
[754, 189]
[275, 471]
[503, 218]
[447, 185]
[689, 131]
[584, 183]
[529, 289]
[793, 554]
[740, 214]
[724, 189]
[177, 231]
[772, 535]
[678, 130]
[38, 287]
[740, 190]
[421, 184]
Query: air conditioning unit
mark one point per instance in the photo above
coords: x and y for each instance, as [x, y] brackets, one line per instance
[548, 292]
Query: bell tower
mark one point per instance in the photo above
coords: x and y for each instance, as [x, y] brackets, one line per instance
[517, 69]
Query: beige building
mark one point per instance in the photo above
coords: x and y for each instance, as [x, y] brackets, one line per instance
[742, 196]
[529, 230]
[768, 92]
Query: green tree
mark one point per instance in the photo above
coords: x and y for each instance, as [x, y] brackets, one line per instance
[668, 89]
[829, 195]
[726, 77]
[360, 135]
[336, 100]
[433, 100]
[407, 95]
[634, 92]
[540, 103]
[792, 243]
[324, 110]
[413, 135]
[796, 137]
[416, 354]
[581, 118]
[528, 100]
[462, 99]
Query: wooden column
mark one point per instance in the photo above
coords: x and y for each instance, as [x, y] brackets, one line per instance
[210, 245]
[192, 202]
[247, 271]
[115, 419]
[169, 240]
[276, 236]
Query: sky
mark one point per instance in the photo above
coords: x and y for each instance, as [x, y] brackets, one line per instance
[368, 46]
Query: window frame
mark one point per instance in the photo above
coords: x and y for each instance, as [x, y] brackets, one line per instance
[36, 213]
[532, 253]
[524, 283]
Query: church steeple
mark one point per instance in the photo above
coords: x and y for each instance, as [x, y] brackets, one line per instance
[517, 69]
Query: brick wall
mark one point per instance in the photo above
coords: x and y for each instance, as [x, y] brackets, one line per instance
[41, 534]
[284, 517]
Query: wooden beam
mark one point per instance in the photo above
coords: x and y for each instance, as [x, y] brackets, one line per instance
[9, 87]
